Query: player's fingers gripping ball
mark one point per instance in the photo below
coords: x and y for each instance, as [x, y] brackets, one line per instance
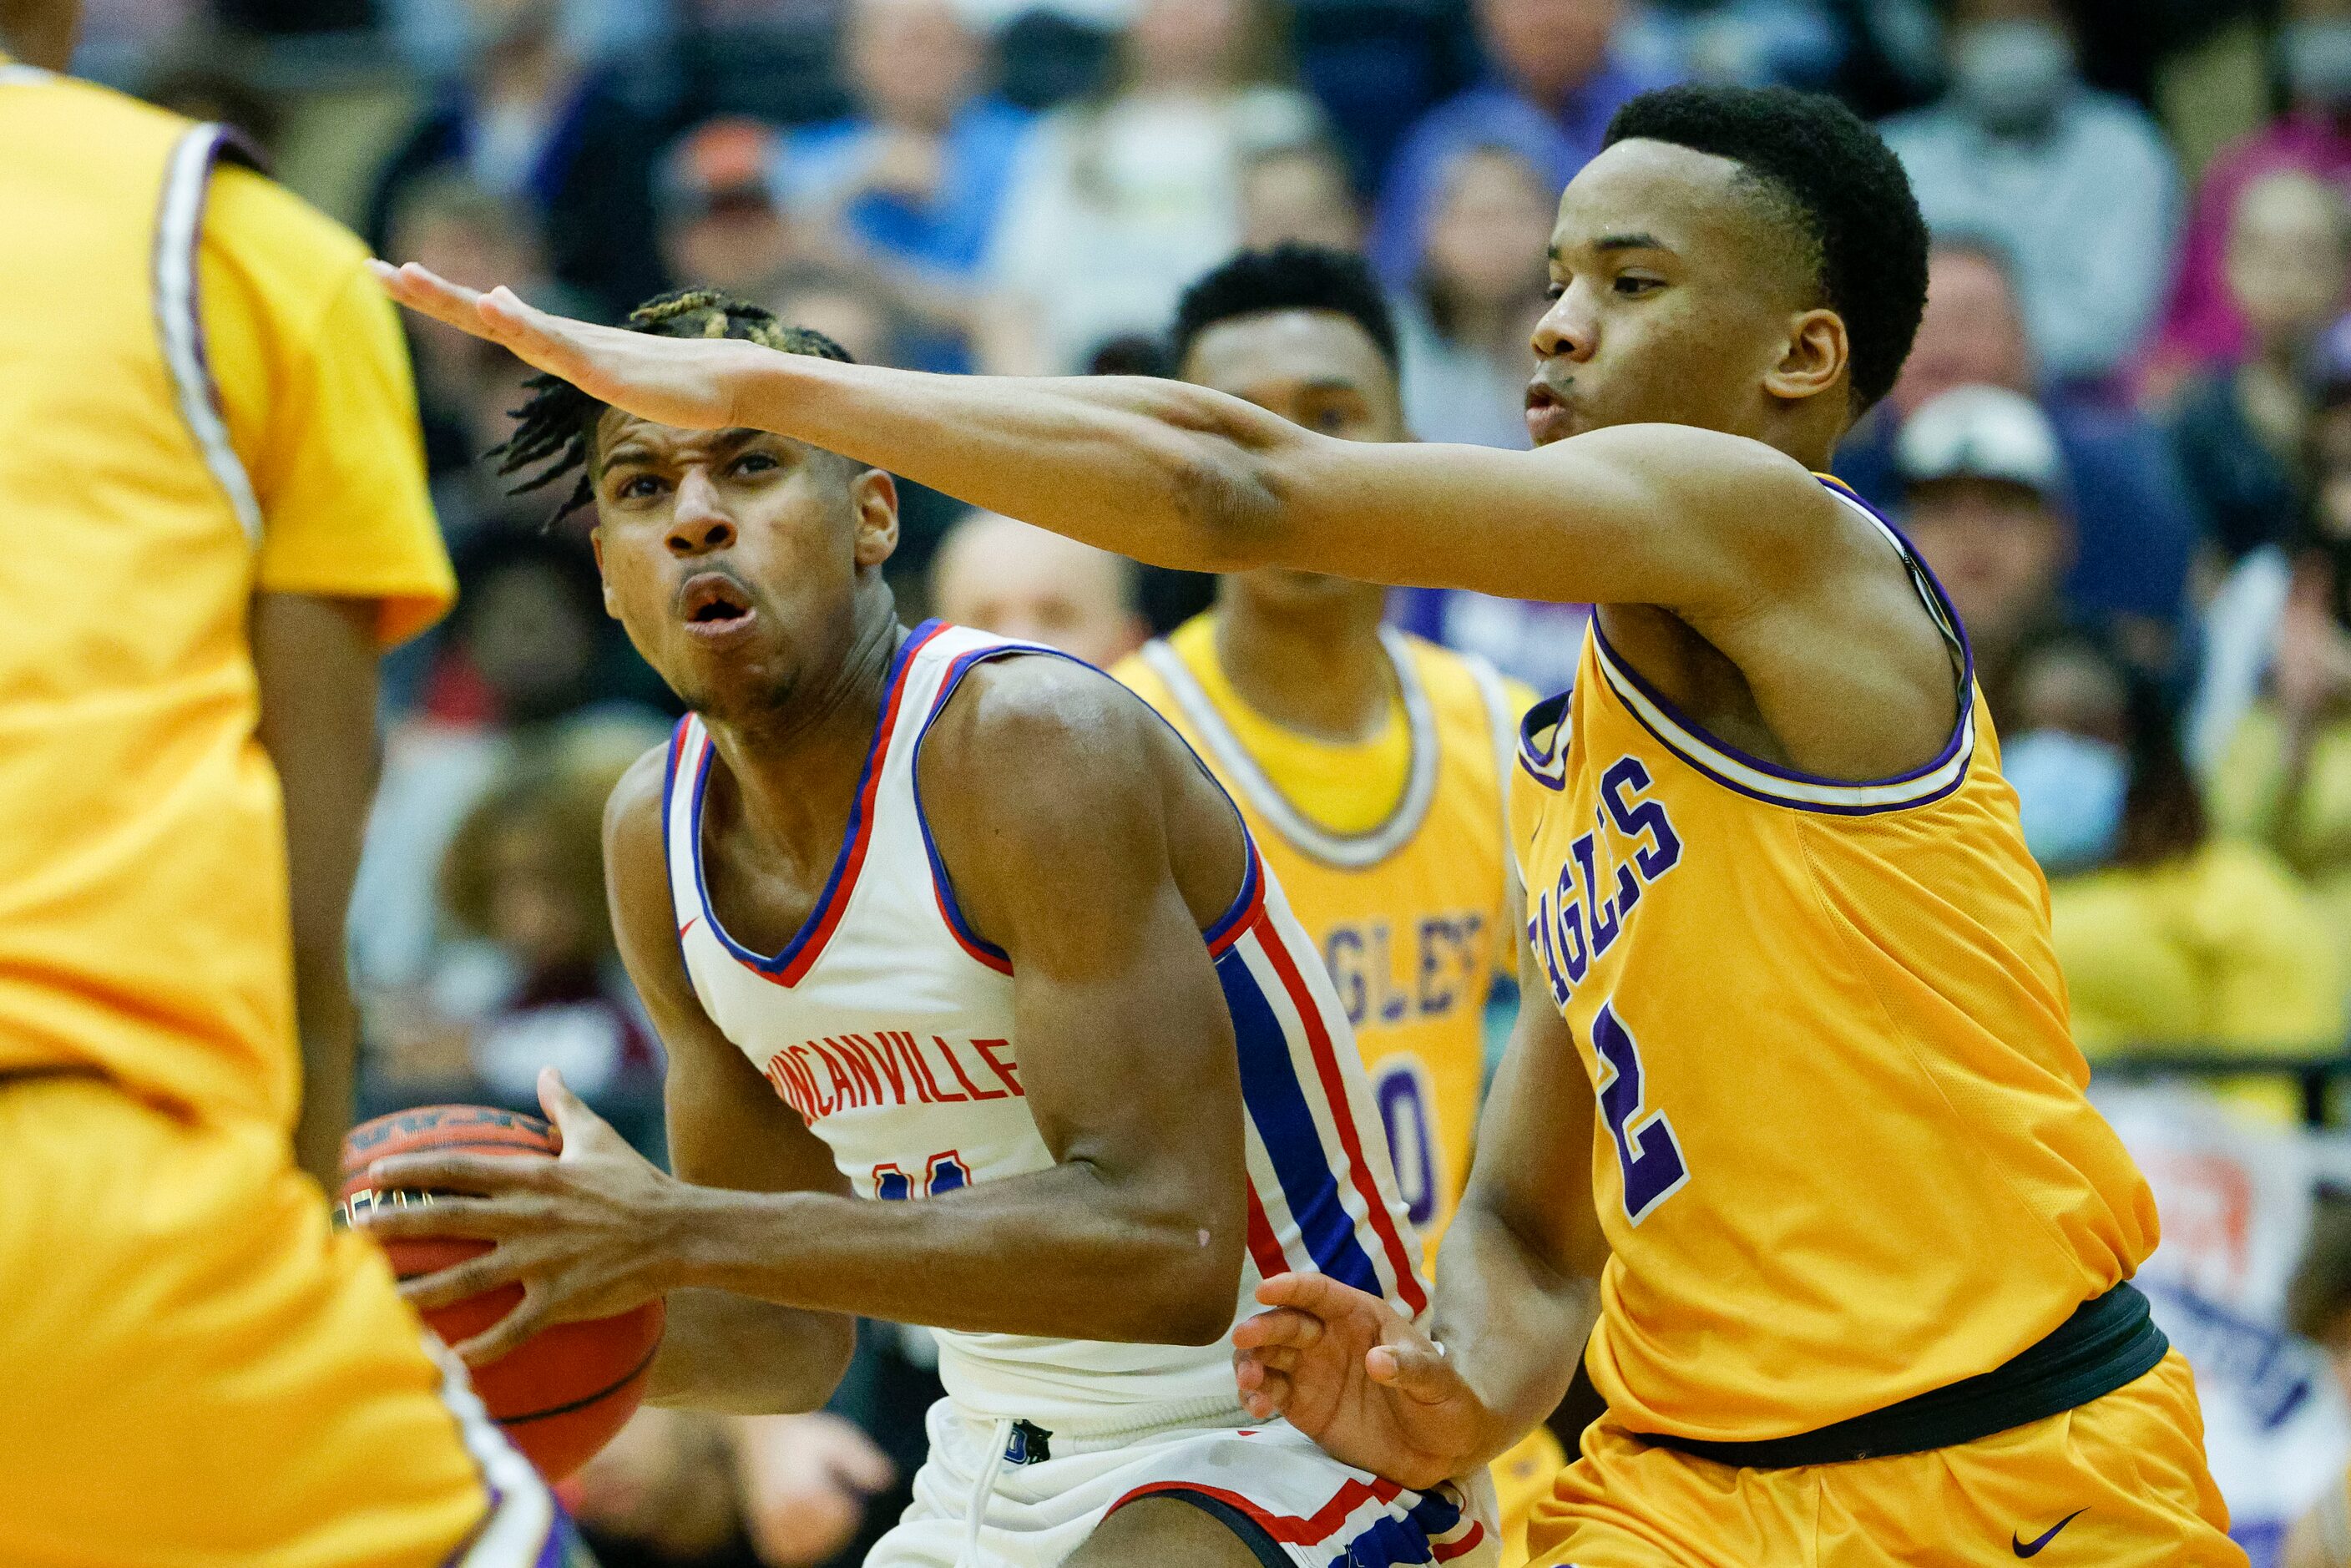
[562, 1394]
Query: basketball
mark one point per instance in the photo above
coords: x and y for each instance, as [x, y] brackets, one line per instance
[561, 1394]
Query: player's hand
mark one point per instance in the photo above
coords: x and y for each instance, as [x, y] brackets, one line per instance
[1349, 1372]
[686, 382]
[582, 1233]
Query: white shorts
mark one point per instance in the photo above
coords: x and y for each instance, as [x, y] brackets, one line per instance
[1032, 1512]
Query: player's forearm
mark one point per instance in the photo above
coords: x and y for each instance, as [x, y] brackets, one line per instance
[1058, 1253]
[1511, 1324]
[746, 1357]
[1169, 473]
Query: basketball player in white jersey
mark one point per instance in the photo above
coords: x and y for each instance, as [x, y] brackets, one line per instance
[983, 1013]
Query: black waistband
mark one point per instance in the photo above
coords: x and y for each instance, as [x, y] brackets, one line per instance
[2109, 1342]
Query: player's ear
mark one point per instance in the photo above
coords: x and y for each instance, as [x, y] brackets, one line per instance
[1815, 358]
[603, 582]
[873, 495]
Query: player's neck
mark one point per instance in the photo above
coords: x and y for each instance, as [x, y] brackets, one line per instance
[795, 768]
[1318, 669]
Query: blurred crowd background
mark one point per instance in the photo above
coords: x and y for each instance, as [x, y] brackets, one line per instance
[2124, 442]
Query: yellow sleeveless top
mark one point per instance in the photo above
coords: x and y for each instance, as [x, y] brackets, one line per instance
[168, 456]
[1411, 913]
[1842, 1154]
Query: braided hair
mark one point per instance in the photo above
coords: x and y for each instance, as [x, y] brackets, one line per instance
[556, 421]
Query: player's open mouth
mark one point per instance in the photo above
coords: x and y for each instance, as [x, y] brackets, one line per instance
[1548, 416]
[712, 604]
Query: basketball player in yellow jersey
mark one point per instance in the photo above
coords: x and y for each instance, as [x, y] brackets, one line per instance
[1371, 766]
[1804, 1131]
[216, 517]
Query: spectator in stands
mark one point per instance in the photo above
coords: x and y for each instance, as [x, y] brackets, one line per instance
[807, 1482]
[1984, 489]
[722, 226]
[462, 384]
[533, 979]
[661, 1494]
[1553, 81]
[530, 121]
[847, 307]
[2319, 1308]
[1476, 294]
[2240, 430]
[2134, 528]
[2168, 935]
[914, 179]
[1760, 43]
[2314, 136]
[2283, 778]
[529, 671]
[1117, 202]
[1008, 578]
[2077, 186]
[1299, 193]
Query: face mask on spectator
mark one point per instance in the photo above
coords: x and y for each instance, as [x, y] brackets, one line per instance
[2317, 59]
[2069, 791]
[2011, 75]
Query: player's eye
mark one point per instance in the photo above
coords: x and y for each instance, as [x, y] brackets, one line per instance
[1634, 285]
[755, 463]
[637, 487]
[1553, 291]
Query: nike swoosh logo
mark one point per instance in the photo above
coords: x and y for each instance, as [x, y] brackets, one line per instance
[2032, 1548]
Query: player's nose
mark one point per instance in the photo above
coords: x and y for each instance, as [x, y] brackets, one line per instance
[1569, 330]
[698, 520]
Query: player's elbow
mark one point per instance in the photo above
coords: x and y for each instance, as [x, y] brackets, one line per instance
[1196, 1281]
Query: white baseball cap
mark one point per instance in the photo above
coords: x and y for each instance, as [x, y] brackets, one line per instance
[1981, 433]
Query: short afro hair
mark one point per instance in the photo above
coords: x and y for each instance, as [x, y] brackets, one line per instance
[1838, 186]
[556, 421]
[1286, 276]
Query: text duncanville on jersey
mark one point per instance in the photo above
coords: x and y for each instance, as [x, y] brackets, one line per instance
[891, 1067]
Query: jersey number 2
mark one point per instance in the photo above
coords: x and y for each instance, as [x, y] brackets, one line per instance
[1645, 1150]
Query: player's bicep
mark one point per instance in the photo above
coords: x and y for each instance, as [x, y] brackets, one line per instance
[1534, 1170]
[1683, 519]
[1065, 861]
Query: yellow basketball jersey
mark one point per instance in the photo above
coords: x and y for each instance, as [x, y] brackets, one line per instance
[1842, 1154]
[1410, 916]
[170, 455]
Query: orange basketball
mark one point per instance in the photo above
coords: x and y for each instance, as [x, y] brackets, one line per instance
[562, 1392]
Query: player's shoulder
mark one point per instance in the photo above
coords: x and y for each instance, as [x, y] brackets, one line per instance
[633, 810]
[272, 236]
[1020, 713]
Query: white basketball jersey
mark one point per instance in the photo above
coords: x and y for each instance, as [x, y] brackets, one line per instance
[886, 1023]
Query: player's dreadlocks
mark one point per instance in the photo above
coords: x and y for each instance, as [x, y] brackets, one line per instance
[557, 422]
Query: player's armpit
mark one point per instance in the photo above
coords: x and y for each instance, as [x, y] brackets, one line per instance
[727, 1128]
[1518, 1277]
[1093, 856]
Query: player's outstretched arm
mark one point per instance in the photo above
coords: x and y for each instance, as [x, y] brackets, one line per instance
[1516, 1295]
[1050, 792]
[1692, 520]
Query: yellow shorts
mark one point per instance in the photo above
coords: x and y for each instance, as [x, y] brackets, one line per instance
[197, 1370]
[1522, 1478]
[2127, 1471]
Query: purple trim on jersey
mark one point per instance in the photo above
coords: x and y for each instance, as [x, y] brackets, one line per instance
[1278, 1107]
[1918, 566]
[1545, 769]
[799, 953]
